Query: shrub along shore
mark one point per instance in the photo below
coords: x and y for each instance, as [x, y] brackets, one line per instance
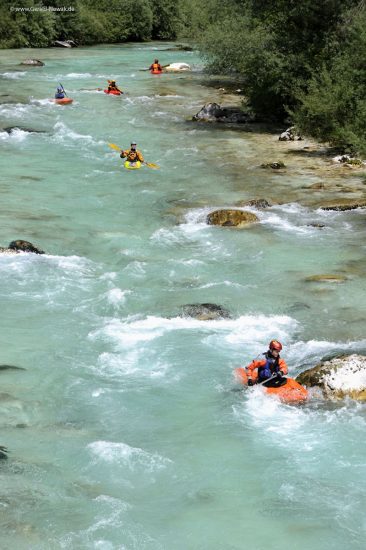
[300, 61]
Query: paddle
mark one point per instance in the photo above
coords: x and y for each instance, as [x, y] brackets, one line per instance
[117, 148]
[63, 89]
[273, 377]
[163, 67]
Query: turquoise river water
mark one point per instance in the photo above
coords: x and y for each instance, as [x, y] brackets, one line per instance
[125, 430]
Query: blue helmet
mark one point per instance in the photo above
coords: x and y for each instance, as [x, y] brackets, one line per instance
[59, 89]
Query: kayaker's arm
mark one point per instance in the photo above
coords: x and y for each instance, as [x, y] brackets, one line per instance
[123, 154]
[250, 370]
[283, 366]
[139, 156]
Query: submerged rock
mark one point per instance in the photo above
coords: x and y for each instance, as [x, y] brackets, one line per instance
[213, 112]
[205, 312]
[344, 204]
[21, 246]
[256, 203]
[327, 278]
[3, 452]
[338, 377]
[348, 160]
[231, 218]
[33, 62]
[10, 129]
[274, 165]
[10, 367]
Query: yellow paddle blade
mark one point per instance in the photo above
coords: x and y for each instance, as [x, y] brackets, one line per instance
[152, 165]
[115, 147]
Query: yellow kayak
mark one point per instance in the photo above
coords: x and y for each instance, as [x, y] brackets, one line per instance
[132, 165]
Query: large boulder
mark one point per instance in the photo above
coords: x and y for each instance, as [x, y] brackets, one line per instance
[338, 377]
[213, 112]
[64, 43]
[33, 62]
[290, 135]
[231, 218]
[177, 68]
[21, 246]
[205, 312]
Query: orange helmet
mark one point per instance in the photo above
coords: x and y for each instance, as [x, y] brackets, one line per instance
[275, 344]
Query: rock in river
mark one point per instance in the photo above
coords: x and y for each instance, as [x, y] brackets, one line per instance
[338, 377]
[231, 218]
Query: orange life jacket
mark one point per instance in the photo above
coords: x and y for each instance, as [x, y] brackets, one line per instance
[156, 67]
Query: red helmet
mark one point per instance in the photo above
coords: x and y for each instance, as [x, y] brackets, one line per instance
[275, 344]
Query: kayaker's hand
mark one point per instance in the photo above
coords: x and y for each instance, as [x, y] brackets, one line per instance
[250, 382]
[280, 374]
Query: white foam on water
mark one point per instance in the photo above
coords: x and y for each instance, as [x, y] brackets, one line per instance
[131, 363]
[253, 332]
[136, 269]
[228, 284]
[13, 75]
[117, 297]
[191, 262]
[78, 75]
[15, 136]
[313, 350]
[63, 134]
[130, 457]
[18, 110]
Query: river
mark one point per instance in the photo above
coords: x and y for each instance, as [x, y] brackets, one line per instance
[125, 430]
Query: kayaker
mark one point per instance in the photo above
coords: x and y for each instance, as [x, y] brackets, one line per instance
[262, 369]
[112, 87]
[60, 93]
[132, 154]
[156, 67]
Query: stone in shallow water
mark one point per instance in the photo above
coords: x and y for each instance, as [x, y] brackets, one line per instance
[206, 312]
[231, 218]
[33, 62]
[327, 278]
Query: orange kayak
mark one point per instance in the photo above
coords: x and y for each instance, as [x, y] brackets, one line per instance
[290, 392]
[113, 92]
[64, 101]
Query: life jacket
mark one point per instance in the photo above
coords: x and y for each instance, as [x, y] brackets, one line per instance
[156, 67]
[59, 95]
[132, 155]
[270, 368]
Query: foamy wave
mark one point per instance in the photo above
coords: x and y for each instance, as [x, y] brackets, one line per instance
[15, 136]
[131, 363]
[131, 457]
[313, 350]
[13, 75]
[252, 331]
[116, 296]
[78, 75]
[64, 134]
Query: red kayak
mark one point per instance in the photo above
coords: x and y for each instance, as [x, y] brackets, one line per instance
[289, 391]
[155, 72]
[64, 101]
[113, 92]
